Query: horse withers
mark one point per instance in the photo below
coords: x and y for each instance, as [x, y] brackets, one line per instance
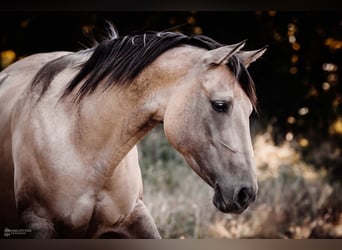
[70, 122]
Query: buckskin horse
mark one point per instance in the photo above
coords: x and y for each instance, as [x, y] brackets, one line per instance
[70, 122]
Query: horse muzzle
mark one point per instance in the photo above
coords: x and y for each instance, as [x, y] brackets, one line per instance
[233, 200]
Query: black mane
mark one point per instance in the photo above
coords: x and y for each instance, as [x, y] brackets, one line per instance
[118, 60]
[121, 59]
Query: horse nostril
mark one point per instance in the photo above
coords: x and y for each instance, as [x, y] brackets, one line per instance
[245, 196]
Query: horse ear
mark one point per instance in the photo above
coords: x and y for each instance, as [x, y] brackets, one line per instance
[221, 55]
[247, 57]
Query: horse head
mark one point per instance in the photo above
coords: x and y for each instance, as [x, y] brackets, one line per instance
[207, 121]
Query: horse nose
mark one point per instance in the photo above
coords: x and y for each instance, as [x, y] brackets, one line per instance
[244, 196]
[233, 199]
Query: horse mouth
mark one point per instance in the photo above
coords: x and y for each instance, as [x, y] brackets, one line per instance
[233, 208]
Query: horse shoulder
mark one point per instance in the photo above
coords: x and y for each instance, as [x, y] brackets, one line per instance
[14, 80]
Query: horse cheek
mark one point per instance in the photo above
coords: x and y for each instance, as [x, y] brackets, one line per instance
[175, 128]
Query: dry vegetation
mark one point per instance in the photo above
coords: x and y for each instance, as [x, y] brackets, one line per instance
[294, 199]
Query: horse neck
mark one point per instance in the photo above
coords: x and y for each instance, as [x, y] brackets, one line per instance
[110, 123]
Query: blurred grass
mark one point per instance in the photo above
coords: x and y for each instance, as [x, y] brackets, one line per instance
[295, 200]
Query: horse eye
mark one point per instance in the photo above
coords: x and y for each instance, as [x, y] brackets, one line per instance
[219, 106]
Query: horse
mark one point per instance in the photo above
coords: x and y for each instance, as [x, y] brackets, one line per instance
[70, 122]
